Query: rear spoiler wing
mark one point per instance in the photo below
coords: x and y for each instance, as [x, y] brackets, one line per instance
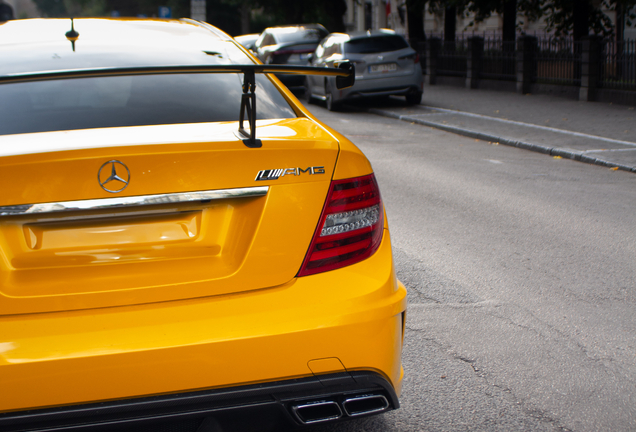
[344, 73]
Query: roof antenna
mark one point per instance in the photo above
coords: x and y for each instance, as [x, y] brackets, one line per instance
[72, 35]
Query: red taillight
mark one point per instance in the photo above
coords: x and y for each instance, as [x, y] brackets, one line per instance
[415, 57]
[350, 227]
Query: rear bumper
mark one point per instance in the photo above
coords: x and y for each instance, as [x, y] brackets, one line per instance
[341, 321]
[270, 405]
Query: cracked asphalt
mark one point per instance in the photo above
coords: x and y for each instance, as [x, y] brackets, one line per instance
[521, 276]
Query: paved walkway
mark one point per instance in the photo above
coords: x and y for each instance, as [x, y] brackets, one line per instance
[591, 132]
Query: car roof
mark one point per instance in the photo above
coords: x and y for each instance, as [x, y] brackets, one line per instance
[36, 45]
[364, 34]
[288, 28]
[247, 37]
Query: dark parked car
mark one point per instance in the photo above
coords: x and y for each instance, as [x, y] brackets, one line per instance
[385, 65]
[291, 45]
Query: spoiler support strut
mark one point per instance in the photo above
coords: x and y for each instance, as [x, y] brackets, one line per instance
[248, 102]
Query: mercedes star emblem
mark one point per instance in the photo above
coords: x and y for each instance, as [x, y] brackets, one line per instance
[113, 176]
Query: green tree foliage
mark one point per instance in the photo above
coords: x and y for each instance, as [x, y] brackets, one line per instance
[563, 17]
[225, 14]
[326, 12]
[580, 17]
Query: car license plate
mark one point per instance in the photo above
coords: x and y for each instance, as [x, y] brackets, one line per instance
[385, 67]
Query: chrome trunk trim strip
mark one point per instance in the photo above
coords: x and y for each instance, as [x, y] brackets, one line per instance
[133, 201]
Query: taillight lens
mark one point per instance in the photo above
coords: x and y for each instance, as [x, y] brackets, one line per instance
[414, 57]
[350, 227]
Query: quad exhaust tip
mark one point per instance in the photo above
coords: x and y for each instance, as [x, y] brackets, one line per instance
[318, 411]
[367, 404]
[329, 410]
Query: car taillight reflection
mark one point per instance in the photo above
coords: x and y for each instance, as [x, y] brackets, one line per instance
[414, 57]
[350, 227]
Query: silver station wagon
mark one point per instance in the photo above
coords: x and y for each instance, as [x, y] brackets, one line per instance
[385, 65]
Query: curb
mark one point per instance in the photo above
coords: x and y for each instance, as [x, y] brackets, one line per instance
[552, 151]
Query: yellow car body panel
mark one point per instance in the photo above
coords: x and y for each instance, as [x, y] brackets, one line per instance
[116, 304]
[80, 356]
[61, 262]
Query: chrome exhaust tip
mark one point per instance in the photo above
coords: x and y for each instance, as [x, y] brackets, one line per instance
[366, 404]
[317, 412]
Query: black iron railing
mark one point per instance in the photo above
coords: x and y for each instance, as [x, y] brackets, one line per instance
[544, 59]
[452, 57]
[499, 61]
[558, 61]
[618, 68]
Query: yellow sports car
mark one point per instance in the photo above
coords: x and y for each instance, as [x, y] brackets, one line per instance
[182, 244]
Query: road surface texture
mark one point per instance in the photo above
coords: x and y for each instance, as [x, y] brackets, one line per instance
[521, 271]
[597, 133]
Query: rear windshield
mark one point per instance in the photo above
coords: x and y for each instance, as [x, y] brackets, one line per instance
[304, 35]
[375, 44]
[87, 103]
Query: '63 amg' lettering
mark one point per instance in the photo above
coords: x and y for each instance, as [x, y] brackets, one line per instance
[275, 174]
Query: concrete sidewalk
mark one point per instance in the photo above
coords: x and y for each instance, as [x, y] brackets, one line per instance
[591, 132]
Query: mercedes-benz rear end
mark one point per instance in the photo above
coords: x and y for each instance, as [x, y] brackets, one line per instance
[157, 267]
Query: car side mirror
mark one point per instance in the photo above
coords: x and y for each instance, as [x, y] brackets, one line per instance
[346, 81]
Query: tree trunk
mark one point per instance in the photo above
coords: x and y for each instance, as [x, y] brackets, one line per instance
[450, 23]
[581, 19]
[336, 10]
[620, 23]
[509, 20]
[246, 12]
[415, 17]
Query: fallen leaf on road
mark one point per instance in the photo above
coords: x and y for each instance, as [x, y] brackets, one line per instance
[557, 157]
[614, 169]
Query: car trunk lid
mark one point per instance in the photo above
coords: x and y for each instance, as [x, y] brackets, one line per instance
[198, 214]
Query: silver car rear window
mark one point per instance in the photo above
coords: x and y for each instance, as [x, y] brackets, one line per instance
[377, 44]
[303, 35]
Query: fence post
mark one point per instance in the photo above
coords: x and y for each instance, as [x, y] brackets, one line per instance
[433, 47]
[526, 62]
[590, 68]
[475, 61]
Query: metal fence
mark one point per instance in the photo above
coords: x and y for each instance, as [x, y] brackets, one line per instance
[558, 61]
[499, 61]
[618, 68]
[453, 56]
[552, 61]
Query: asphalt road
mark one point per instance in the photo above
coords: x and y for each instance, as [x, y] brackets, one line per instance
[520, 269]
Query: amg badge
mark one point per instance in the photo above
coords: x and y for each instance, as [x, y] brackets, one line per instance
[275, 174]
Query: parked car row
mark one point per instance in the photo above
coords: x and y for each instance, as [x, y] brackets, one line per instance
[384, 61]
